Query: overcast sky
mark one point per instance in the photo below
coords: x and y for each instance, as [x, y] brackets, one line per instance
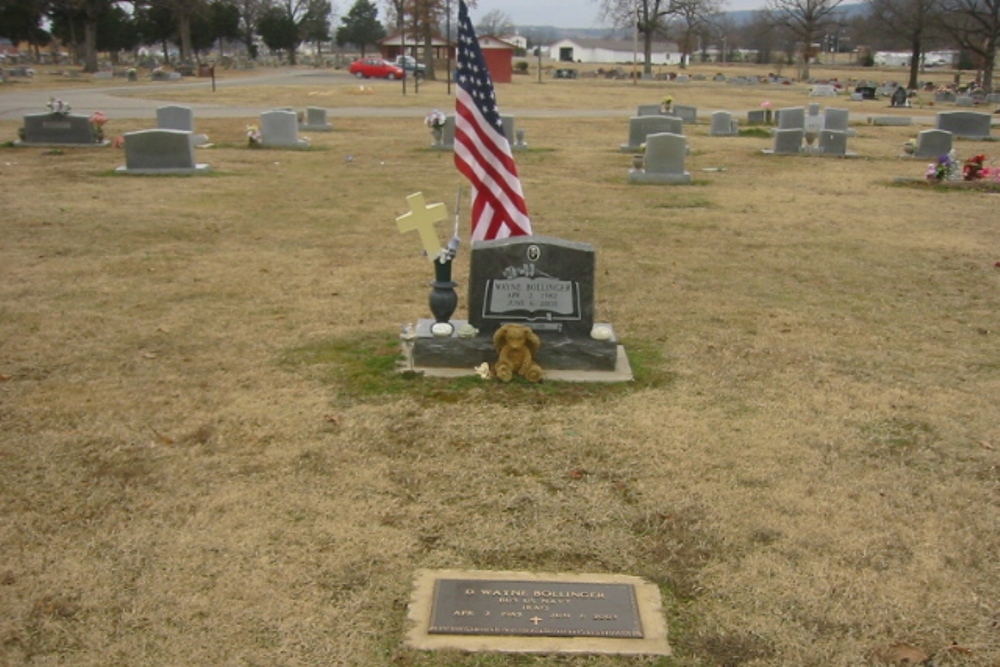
[565, 13]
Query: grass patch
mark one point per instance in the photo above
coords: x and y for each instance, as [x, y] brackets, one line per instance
[367, 367]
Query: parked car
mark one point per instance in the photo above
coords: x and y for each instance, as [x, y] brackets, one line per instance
[366, 68]
[410, 64]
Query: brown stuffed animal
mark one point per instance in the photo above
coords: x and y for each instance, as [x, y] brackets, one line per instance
[517, 345]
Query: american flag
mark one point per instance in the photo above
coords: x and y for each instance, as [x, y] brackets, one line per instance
[482, 152]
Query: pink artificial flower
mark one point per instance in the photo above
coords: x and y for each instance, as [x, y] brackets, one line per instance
[766, 104]
[98, 118]
[118, 142]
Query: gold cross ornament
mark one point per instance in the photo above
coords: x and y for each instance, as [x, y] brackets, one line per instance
[421, 219]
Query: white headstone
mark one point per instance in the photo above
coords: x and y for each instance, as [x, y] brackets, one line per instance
[665, 155]
[279, 128]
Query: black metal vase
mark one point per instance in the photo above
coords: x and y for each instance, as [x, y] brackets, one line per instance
[443, 298]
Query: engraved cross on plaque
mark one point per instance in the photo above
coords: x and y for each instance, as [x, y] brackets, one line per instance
[421, 219]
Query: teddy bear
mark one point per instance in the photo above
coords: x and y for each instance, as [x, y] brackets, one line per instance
[517, 346]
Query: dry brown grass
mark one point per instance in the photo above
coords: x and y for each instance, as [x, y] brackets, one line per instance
[192, 474]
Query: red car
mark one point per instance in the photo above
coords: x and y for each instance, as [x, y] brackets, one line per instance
[365, 68]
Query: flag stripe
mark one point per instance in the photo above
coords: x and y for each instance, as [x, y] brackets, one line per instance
[482, 152]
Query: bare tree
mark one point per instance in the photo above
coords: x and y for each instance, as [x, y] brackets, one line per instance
[495, 22]
[806, 20]
[691, 17]
[975, 25]
[911, 20]
[646, 16]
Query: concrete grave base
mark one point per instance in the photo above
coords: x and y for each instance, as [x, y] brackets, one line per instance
[559, 352]
[648, 607]
[198, 169]
[316, 128]
[31, 144]
[636, 176]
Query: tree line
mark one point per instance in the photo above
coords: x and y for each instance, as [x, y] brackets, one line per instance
[803, 31]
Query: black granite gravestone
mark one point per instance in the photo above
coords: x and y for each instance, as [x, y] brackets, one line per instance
[57, 128]
[545, 283]
[541, 282]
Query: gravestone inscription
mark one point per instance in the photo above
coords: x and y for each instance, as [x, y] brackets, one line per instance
[531, 608]
[58, 128]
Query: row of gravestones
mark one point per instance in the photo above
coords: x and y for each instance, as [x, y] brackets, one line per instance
[169, 148]
[445, 140]
[659, 135]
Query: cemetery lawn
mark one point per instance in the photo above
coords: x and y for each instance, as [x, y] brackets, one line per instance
[206, 458]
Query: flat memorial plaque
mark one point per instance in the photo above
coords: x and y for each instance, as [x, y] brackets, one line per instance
[558, 609]
[530, 612]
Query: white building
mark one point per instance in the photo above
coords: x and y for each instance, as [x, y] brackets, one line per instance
[612, 51]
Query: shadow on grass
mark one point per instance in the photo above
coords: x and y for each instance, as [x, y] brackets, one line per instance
[369, 365]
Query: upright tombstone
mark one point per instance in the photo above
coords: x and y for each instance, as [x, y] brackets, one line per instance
[447, 142]
[279, 128]
[514, 137]
[686, 113]
[724, 125]
[833, 142]
[58, 129]
[823, 90]
[543, 283]
[642, 126]
[792, 118]
[933, 143]
[965, 124]
[787, 142]
[965, 101]
[665, 155]
[650, 110]
[165, 152]
[176, 117]
[315, 121]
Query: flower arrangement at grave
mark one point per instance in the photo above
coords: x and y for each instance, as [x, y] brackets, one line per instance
[254, 138]
[58, 106]
[975, 168]
[910, 146]
[435, 120]
[945, 168]
[97, 122]
[667, 104]
[766, 106]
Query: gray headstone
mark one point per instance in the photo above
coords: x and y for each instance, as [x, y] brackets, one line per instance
[723, 124]
[665, 155]
[682, 78]
[993, 98]
[175, 117]
[160, 152]
[833, 142]
[315, 120]
[642, 126]
[944, 96]
[964, 101]
[57, 128]
[965, 124]
[279, 128]
[933, 143]
[792, 118]
[447, 135]
[757, 117]
[545, 283]
[649, 110]
[788, 142]
[836, 119]
[686, 113]
[891, 120]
